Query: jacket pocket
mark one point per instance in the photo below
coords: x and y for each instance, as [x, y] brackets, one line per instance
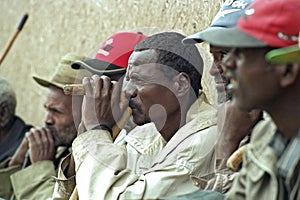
[255, 173]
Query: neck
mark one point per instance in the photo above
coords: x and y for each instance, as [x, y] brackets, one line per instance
[173, 122]
[285, 112]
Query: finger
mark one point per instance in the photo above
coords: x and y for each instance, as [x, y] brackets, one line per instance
[117, 89]
[107, 86]
[87, 87]
[45, 138]
[98, 85]
[31, 136]
[50, 138]
[35, 139]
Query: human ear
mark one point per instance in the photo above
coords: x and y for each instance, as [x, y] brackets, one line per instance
[182, 84]
[289, 73]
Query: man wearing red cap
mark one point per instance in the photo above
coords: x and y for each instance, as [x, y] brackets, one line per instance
[111, 59]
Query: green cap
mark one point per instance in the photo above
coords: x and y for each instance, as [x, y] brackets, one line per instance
[285, 55]
[63, 73]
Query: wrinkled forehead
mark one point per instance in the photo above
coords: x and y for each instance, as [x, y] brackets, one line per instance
[143, 66]
[143, 57]
[142, 62]
[56, 96]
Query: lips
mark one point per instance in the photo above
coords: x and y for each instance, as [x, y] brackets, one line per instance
[134, 106]
[232, 86]
[220, 83]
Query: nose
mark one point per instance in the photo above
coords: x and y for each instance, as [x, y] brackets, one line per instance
[49, 120]
[130, 90]
[216, 68]
[228, 62]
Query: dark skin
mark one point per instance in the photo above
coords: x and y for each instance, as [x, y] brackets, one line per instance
[142, 96]
[233, 124]
[271, 87]
[100, 92]
[93, 88]
[145, 86]
[42, 142]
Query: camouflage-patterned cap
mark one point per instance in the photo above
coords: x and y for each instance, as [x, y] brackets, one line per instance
[64, 73]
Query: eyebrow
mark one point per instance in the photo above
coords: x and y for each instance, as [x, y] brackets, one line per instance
[53, 109]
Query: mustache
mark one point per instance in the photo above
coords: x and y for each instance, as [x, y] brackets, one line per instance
[219, 78]
[54, 133]
[134, 105]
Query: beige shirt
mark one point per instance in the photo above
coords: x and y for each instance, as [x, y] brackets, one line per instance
[143, 165]
[258, 178]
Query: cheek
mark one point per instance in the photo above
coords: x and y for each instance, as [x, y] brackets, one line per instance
[62, 122]
[160, 99]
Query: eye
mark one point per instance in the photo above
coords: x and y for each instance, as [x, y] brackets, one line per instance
[223, 53]
[218, 55]
[238, 52]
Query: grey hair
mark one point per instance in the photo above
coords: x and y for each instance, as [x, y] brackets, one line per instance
[7, 95]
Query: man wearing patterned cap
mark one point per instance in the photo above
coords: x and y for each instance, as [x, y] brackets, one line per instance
[111, 59]
[28, 174]
[234, 125]
[272, 160]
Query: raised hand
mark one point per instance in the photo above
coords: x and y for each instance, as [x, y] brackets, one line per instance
[97, 103]
[41, 144]
[233, 125]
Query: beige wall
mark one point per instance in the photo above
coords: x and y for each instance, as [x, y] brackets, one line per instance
[56, 27]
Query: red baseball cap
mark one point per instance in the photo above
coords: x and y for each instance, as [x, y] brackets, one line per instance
[273, 23]
[112, 57]
[285, 55]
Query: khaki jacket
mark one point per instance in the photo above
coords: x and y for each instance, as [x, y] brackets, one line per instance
[258, 178]
[144, 166]
[35, 182]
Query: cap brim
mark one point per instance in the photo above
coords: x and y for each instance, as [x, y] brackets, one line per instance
[98, 67]
[284, 55]
[46, 83]
[201, 36]
[230, 37]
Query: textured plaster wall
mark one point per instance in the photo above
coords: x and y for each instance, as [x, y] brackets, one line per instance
[57, 27]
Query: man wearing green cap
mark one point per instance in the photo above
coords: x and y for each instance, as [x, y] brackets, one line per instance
[268, 78]
[29, 173]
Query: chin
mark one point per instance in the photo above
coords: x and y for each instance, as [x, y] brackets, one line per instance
[138, 121]
[239, 104]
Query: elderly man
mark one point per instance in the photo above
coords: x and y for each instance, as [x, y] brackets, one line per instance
[161, 83]
[28, 174]
[12, 128]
